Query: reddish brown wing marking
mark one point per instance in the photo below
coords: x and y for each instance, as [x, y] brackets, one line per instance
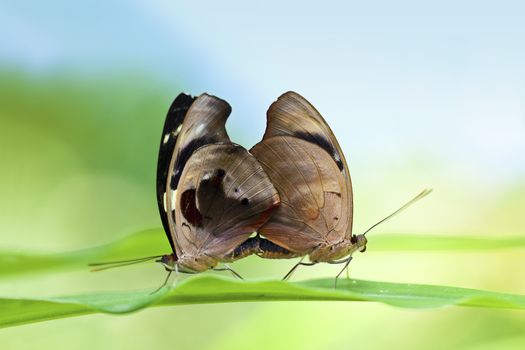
[233, 196]
[312, 209]
[188, 208]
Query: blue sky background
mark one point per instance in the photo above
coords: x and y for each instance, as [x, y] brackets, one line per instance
[445, 80]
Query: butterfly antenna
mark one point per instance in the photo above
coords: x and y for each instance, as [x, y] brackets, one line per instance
[422, 194]
[113, 264]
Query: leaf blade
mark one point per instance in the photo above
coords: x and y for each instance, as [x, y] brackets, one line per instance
[212, 289]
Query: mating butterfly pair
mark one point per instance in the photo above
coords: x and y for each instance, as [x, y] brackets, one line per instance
[293, 188]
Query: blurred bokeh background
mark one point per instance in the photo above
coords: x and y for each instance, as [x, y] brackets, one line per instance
[419, 95]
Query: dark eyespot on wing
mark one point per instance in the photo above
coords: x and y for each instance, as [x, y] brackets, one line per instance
[189, 208]
[324, 144]
[245, 201]
[210, 194]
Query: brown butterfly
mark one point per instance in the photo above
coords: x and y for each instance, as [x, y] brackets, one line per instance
[304, 161]
[212, 194]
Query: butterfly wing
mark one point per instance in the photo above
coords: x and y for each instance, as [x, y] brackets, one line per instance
[170, 133]
[304, 161]
[205, 123]
[224, 196]
[191, 123]
[312, 210]
[293, 115]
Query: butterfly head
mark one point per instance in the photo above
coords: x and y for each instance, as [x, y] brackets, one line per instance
[186, 263]
[360, 242]
[168, 261]
[334, 251]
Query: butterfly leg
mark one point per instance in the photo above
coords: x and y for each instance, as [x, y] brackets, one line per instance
[170, 269]
[289, 274]
[227, 268]
[163, 284]
[342, 261]
[175, 268]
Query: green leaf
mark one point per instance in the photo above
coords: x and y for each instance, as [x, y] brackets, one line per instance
[154, 242]
[212, 289]
[140, 244]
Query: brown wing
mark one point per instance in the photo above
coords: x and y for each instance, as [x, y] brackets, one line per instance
[305, 163]
[224, 196]
[204, 123]
[190, 124]
[292, 115]
[312, 191]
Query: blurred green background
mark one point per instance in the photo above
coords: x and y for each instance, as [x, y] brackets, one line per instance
[418, 95]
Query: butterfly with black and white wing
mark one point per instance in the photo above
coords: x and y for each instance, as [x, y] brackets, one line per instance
[213, 194]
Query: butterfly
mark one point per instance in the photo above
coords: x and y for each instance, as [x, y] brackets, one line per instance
[305, 163]
[212, 194]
